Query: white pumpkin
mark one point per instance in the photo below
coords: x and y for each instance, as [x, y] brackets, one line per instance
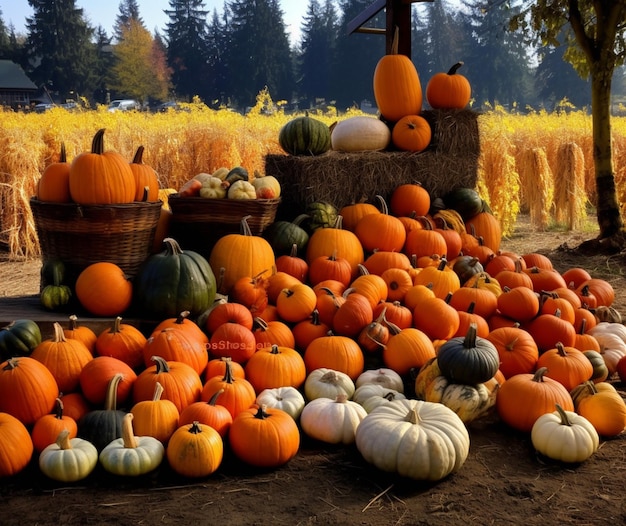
[565, 436]
[332, 421]
[383, 376]
[266, 186]
[612, 346]
[241, 190]
[213, 188]
[360, 133]
[416, 439]
[328, 383]
[367, 391]
[68, 460]
[287, 398]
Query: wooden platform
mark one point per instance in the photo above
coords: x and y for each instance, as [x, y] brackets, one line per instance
[29, 308]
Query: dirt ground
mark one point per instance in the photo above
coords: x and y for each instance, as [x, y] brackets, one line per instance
[503, 482]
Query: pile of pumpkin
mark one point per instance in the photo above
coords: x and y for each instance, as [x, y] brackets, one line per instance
[399, 97]
[377, 326]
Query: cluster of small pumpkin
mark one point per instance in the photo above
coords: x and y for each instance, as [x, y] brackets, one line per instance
[398, 94]
[233, 183]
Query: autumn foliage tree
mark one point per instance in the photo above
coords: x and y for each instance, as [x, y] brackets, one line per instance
[140, 69]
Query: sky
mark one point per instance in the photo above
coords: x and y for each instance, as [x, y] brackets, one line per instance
[104, 13]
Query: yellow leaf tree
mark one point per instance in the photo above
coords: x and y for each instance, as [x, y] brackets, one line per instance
[140, 69]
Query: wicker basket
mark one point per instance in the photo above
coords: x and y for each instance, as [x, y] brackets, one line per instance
[198, 222]
[80, 235]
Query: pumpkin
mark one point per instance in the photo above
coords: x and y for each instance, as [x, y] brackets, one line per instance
[82, 333]
[264, 437]
[604, 407]
[304, 136]
[209, 413]
[55, 295]
[195, 450]
[47, 428]
[240, 255]
[360, 133]
[293, 265]
[274, 332]
[96, 375]
[296, 303]
[266, 186]
[103, 289]
[520, 304]
[564, 436]
[336, 240]
[16, 445]
[146, 179]
[332, 421]
[567, 365]
[64, 358]
[122, 341]
[101, 177]
[436, 318]
[307, 330]
[157, 417]
[330, 267]
[366, 391]
[353, 315]
[381, 231]
[516, 348]
[412, 133]
[275, 366]
[225, 312]
[68, 459]
[251, 292]
[28, 389]
[238, 394]
[469, 402]
[131, 455]
[286, 398]
[54, 184]
[340, 353]
[383, 376]
[486, 226]
[415, 439]
[173, 281]
[448, 90]
[354, 212]
[241, 190]
[466, 201]
[182, 321]
[234, 341]
[19, 338]
[600, 370]
[540, 394]
[407, 349]
[283, 235]
[102, 426]
[178, 346]
[324, 382]
[397, 88]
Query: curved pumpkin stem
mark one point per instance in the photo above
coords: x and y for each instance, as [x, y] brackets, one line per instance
[63, 155]
[454, 68]
[97, 144]
[138, 158]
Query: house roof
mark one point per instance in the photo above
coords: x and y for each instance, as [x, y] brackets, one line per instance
[12, 76]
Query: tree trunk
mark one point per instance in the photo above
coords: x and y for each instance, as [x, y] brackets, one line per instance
[608, 210]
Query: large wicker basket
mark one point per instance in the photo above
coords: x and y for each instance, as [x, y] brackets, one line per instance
[80, 235]
[198, 222]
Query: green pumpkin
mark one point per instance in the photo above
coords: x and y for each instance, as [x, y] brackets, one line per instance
[466, 201]
[52, 272]
[282, 235]
[304, 136]
[468, 360]
[321, 215]
[19, 338]
[53, 297]
[174, 281]
[238, 173]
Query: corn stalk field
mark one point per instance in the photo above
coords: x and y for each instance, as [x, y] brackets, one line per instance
[537, 163]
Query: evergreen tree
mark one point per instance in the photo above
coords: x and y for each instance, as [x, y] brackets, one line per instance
[317, 49]
[217, 44]
[128, 11]
[186, 52]
[103, 66]
[59, 44]
[259, 55]
[498, 62]
[4, 39]
[356, 57]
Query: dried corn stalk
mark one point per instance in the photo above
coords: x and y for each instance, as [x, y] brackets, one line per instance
[570, 199]
[537, 186]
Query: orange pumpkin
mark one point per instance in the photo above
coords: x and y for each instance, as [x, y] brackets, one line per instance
[54, 185]
[16, 445]
[122, 341]
[381, 231]
[397, 88]
[238, 394]
[101, 177]
[103, 289]
[146, 180]
[275, 366]
[336, 352]
[448, 90]
[412, 133]
[178, 346]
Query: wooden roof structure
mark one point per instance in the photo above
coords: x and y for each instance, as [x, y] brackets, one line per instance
[398, 14]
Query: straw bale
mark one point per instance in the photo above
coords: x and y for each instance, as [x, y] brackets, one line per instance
[451, 161]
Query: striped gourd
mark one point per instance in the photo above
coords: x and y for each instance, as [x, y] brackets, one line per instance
[304, 136]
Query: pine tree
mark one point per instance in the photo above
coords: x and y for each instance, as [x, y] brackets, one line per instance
[59, 43]
[103, 66]
[317, 49]
[128, 10]
[217, 44]
[186, 34]
[259, 55]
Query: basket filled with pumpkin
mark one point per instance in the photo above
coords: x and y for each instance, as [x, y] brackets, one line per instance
[210, 206]
[99, 207]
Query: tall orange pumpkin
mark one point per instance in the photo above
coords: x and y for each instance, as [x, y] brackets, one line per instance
[146, 180]
[54, 185]
[397, 88]
[101, 177]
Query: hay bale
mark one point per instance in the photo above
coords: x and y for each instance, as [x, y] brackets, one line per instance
[450, 162]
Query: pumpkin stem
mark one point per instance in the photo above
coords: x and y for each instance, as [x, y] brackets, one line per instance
[116, 325]
[180, 319]
[195, 428]
[245, 227]
[59, 335]
[412, 417]
[341, 398]
[172, 247]
[73, 322]
[469, 342]
[564, 418]
[63, 440]
[262, 413]
[158, 392]
[97, 144]
[138, 158]
[454, 68]
[63, 156]
[58, 409]
[329, 377]
[110, 400]
[161, 364]
[539, 373]
[128, 437]
[395, 41]
[215, 396]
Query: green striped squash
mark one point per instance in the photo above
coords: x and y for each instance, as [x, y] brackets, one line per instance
[304, 136]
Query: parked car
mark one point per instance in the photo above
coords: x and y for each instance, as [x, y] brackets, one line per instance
[124, 105]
